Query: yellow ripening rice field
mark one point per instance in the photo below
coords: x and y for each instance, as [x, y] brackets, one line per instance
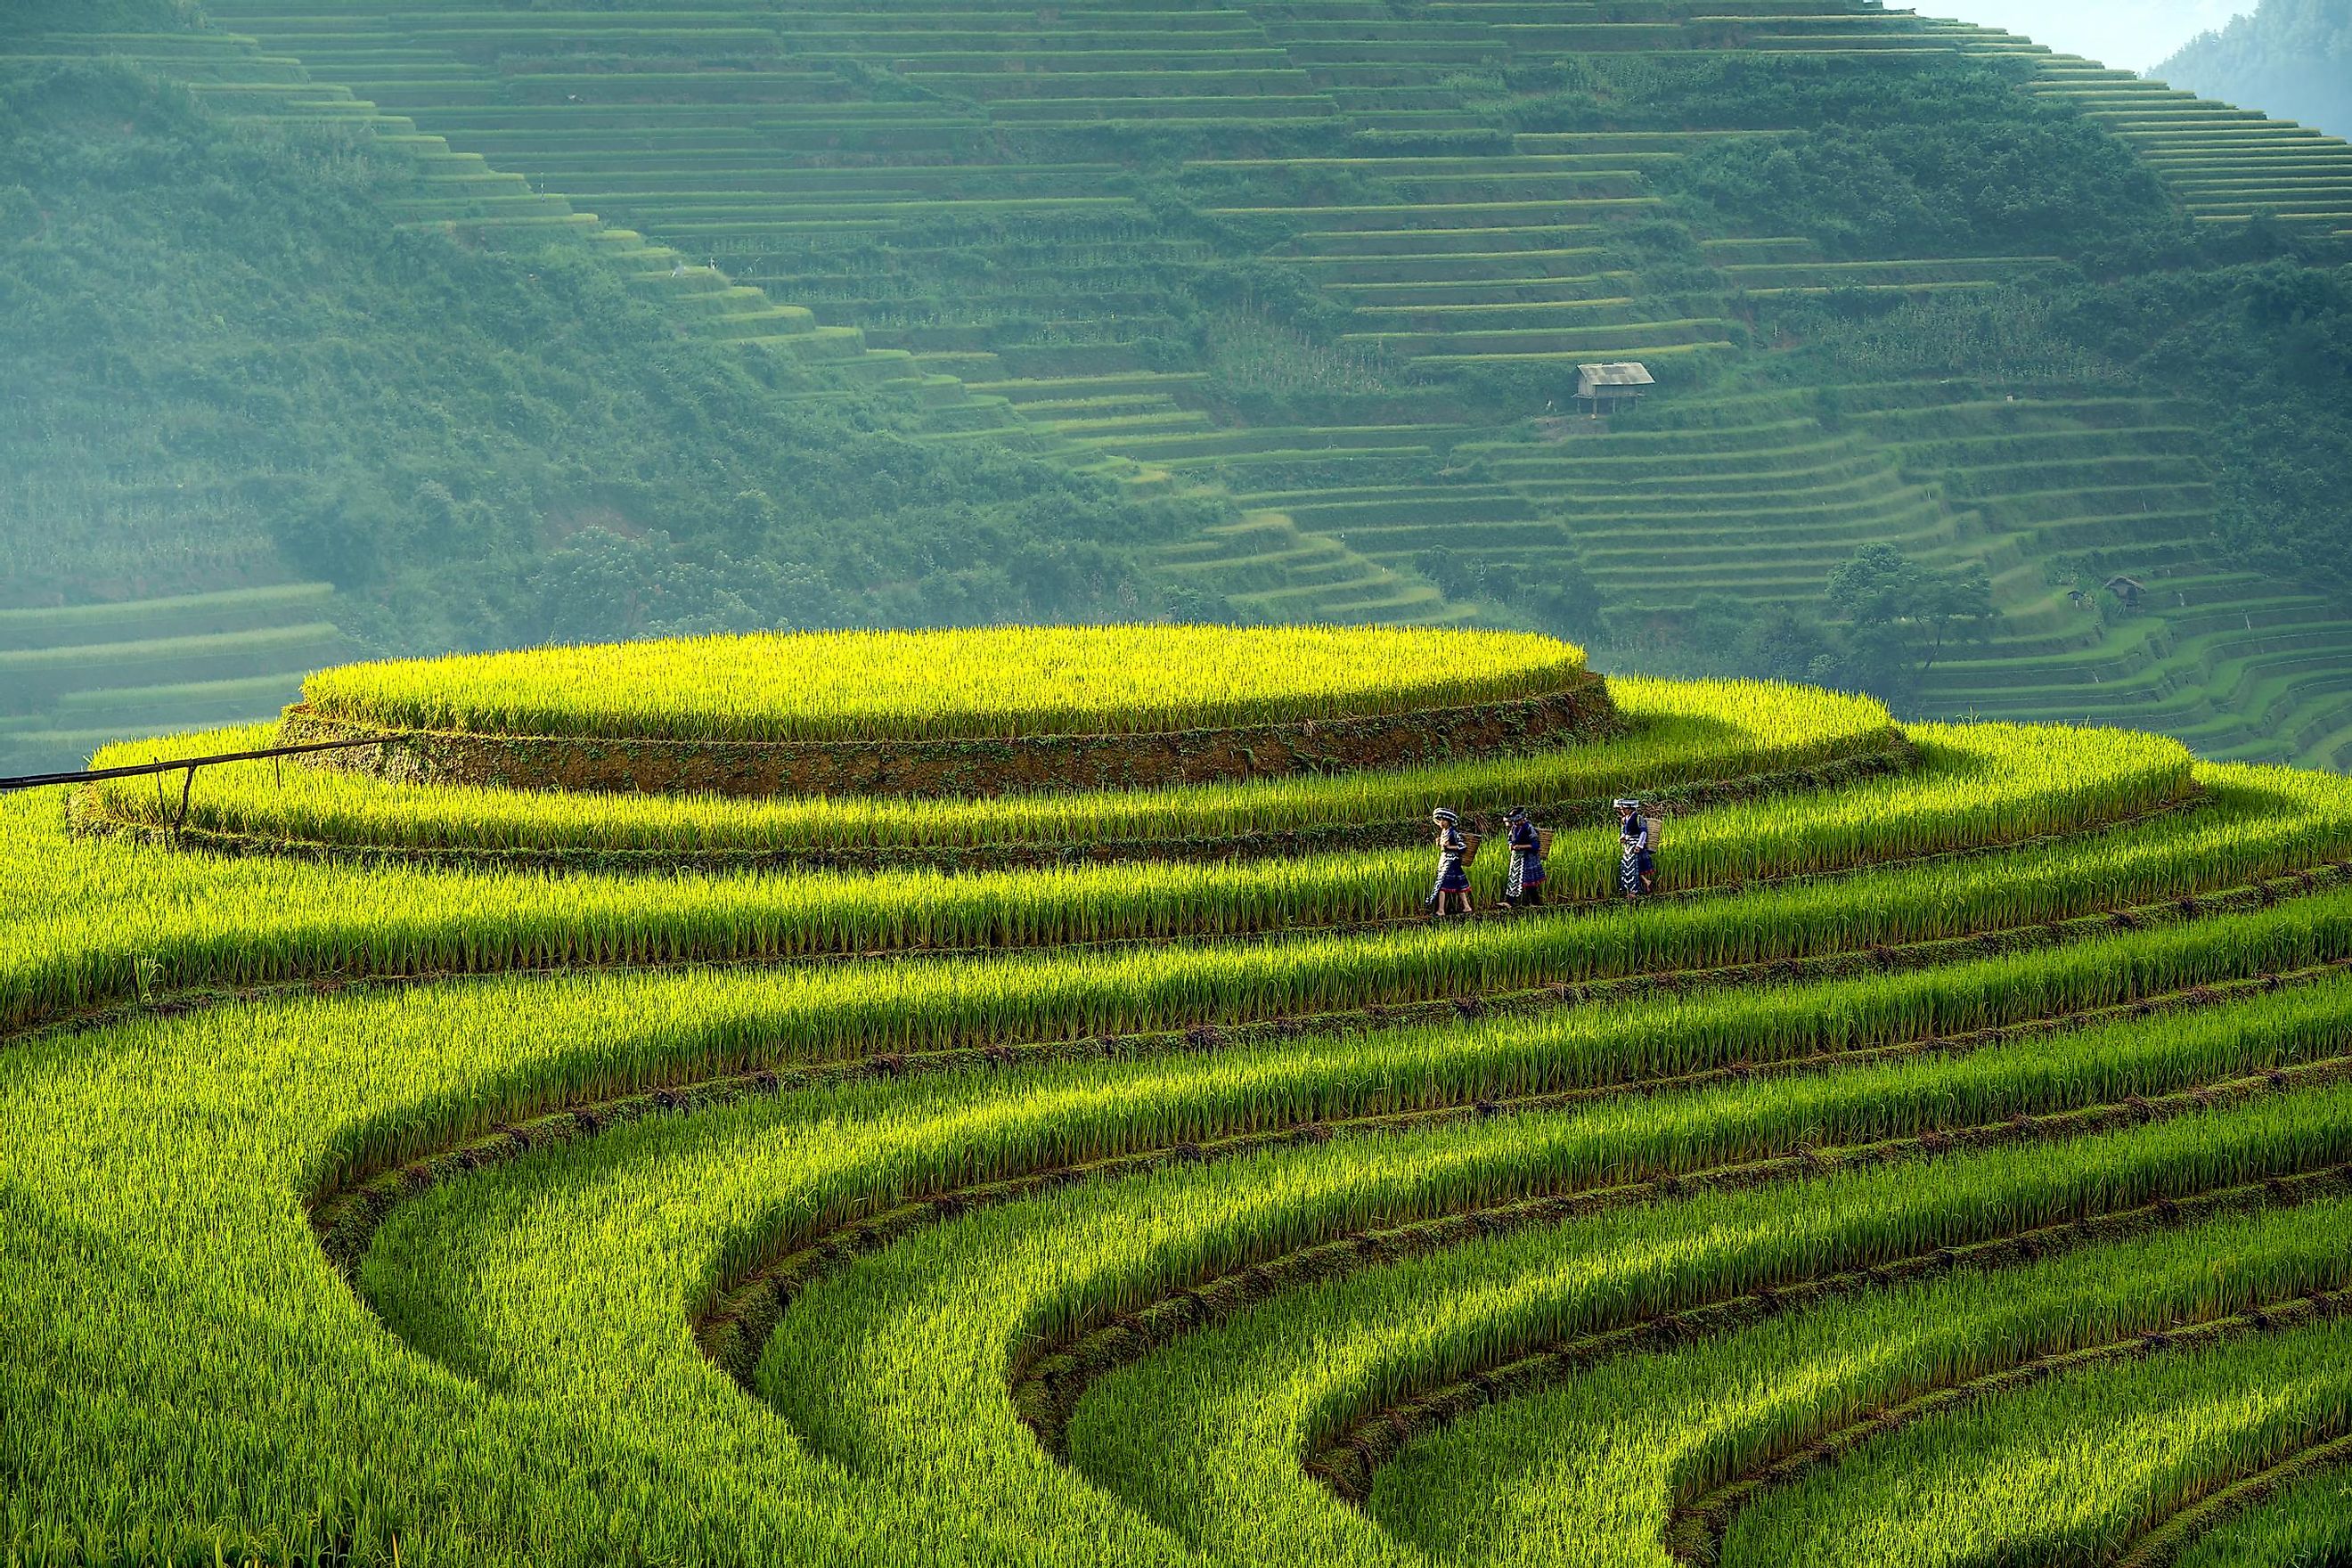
[1948, 1163]
[994, 681]
[1686, 740]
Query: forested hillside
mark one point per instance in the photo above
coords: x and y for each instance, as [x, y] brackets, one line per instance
[2289, 58]
[1987, 380]
[228, 363]
[227, 360]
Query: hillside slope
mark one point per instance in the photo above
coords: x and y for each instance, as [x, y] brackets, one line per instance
[2289, 58]
[1342, 259]
[231, 357]
[2026, 321]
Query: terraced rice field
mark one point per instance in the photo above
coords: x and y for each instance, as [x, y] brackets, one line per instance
[1950, 1163]
[80, 678]
[995, 211]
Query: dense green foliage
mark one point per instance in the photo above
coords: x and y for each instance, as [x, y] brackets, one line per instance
[1331, 277]
[2273, 342]
[2289, 58]
[1910, 156]
[1342, 277]
[1894, 618]
[94, 15]
[479, 447]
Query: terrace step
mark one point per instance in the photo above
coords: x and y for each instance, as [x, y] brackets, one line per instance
[199, 615]
[44, 676]
[1466, 253]
[1267, 565]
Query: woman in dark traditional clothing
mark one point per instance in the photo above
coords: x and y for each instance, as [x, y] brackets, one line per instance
[1453, 880]
[1523, 887]
[1637, 866]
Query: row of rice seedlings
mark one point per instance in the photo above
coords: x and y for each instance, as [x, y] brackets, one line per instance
[183, 1375]
[2077, 1470]
[740, 1024]
[993, 681]
[1980, 785]
[184, 1139]
[897, 1365]
[263, 919]
[2307, 1524]
[1601, 1470]
[629, 1218]
[1207, 1437]
[426, 923]
[1685, 732]
[708, 1027]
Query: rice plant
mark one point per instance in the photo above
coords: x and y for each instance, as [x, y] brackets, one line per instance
[1294, 1166]
[897, 1365]
[991, 682]
[2082, 1468]
[1608, 1468]
[83, 940]
[1684, 733]
[2306, 1522]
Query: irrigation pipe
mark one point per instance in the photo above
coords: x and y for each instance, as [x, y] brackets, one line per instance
[141, 770]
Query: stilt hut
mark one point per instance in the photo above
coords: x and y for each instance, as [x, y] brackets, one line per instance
[1606, 388]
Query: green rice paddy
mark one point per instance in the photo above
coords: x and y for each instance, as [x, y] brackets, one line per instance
[432, 1208]
[1949, 1165]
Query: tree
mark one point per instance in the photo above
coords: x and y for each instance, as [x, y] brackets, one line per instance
[1901, 616]
[2292, 58]
[1559, 597]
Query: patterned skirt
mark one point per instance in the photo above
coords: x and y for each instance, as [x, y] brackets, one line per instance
[1631, 866]
[1526, 872]
[1451, 877]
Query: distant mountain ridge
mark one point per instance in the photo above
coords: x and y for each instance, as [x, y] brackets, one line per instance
[2291, 59]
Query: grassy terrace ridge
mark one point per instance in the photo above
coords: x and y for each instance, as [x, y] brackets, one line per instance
[1687, 741]
[987, 683]
[1147, 1211]
[83, 677]
[961, 713]
[1984, 788]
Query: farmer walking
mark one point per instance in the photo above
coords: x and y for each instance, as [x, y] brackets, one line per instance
[1637, 864]
[1452, 879]
[1523, 887]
